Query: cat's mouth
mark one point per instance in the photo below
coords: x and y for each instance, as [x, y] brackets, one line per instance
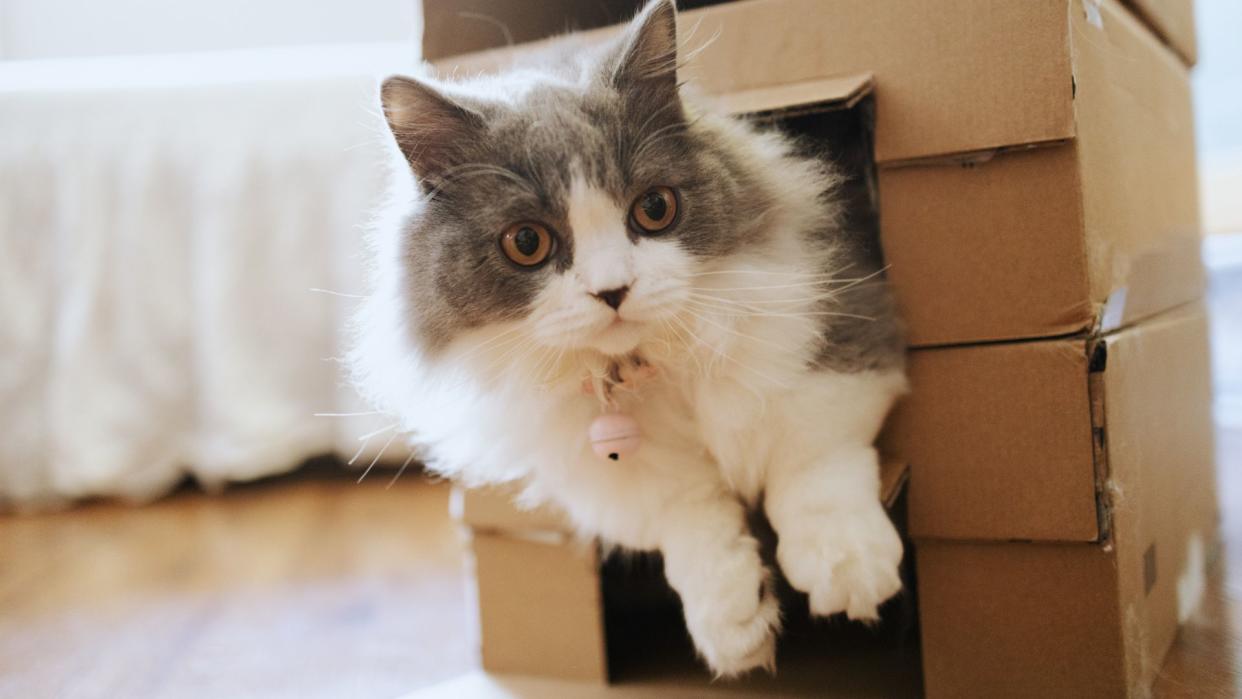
[620, 336]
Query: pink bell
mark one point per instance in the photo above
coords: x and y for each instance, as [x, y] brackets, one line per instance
[614, 435]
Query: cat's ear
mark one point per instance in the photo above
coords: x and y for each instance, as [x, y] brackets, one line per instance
[431, 128]
[645, 67]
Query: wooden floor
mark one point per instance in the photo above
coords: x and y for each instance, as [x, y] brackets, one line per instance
[314, 586]
[303, 587]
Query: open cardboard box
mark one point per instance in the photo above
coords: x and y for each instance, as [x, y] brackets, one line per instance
[551, 608]
[1029, 170]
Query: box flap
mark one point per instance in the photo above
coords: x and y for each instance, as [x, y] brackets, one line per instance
[840, 92]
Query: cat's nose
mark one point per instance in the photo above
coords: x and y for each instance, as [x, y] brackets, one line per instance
[613, 297]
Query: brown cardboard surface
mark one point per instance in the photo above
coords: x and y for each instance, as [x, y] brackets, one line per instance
[1091, 234]
[1162, 500]
[1091, 619]
[1000, 437]
[463, 26]
[1099, 232]
[1019, 620]
[1173, 21]
[954, 76]
[990, 250]
[540, 611]
[1136, 147]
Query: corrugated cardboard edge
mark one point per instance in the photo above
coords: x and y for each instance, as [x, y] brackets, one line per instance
[841, 92]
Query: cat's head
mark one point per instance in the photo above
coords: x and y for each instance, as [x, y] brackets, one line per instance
[579, 203]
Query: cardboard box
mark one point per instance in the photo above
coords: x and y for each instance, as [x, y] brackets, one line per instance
[455, 27]
[1037, 204]
[1051, 429]
[543, 599]
[1058, 553]
[1095, 227]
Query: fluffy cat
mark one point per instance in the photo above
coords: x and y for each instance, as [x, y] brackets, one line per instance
[572, 221]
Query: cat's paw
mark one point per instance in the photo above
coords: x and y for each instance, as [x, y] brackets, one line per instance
[736, 632]
[846, 561]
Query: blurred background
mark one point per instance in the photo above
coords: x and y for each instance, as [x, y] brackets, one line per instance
[177, 178]
[182, 188]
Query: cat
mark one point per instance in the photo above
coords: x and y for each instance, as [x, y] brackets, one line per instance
[560, 229]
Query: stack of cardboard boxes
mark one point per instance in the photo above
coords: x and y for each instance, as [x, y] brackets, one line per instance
[1038, 208]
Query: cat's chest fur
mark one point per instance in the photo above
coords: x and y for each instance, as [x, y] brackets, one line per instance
[700, 412]
[719, 417]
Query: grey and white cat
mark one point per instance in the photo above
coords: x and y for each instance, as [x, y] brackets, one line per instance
[556, 225]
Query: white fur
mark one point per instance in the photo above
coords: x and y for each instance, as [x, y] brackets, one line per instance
[732, 414]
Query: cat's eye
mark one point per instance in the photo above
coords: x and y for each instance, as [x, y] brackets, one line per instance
[654, 211]
[528, 244]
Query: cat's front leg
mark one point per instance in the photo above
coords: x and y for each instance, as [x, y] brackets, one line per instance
[713, 563]
[836, 542]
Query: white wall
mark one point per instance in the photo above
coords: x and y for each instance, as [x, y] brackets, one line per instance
[62, 28]
[1218, 111]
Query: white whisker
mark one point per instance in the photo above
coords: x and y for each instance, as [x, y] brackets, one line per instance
[361, 448]
[724, 355]
[380, 431]
[689, 345]
[770, 273]
[377, 457]
[738, 333]
[767, 287]
[408, 460]
[336, 293]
